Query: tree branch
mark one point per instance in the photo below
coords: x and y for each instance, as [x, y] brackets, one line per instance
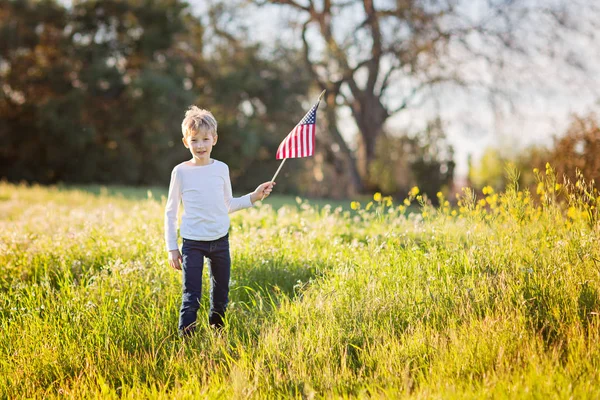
[306, 52]
[376, 48]
[384, 83]
[412, 95]
[293, 4]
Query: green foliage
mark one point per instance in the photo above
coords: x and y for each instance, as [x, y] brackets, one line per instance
[257, 104]
[577, 150]
[573, 153]
[496, 299]
[490, 170]
[96, 92]
[425, 160]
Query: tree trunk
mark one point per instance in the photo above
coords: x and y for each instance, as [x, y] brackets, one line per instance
[370, 116]
[345, 153]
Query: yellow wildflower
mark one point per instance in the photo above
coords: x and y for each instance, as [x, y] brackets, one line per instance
[491, 200]
[368, 207]
[377, 197]
[355, 205]
[414, 191]
[388, 201]
[406, 202]
[536, 171]
[540, 188]
[454, 213]
[439, 194]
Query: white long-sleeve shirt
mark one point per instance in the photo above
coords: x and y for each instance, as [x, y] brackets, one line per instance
[207, 201]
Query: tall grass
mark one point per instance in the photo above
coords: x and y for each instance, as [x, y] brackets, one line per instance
[496, 298]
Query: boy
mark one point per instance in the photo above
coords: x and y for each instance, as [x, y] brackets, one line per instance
[204, 186]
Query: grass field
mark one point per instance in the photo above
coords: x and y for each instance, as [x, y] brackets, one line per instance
[497, 297]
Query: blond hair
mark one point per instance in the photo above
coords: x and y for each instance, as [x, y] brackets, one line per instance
[197, 119]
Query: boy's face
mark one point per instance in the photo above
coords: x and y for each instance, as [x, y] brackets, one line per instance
[200, 144]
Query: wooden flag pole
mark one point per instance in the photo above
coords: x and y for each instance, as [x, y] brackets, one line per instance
[321, 95]
[281, 165]
[278, 169]
[275, 176]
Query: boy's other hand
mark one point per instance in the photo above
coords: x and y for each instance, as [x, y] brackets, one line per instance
[263, 190]
[175, 259]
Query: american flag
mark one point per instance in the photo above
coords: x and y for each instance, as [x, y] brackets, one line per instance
[300, 142]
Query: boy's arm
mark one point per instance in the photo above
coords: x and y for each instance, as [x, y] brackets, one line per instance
[171, 209]
[238, 203]
[234, 203]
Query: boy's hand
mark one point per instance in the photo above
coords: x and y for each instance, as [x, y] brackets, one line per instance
[175, 259]
[263, 190]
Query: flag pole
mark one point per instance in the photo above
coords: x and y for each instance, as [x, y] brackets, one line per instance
[281, 165]
[278, 169]
[275, 176]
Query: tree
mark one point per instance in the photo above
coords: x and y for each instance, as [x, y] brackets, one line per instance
[424, 159]
[433, 160]
[490, 170]
[133, 63]
[578, 149]
[96, 92]
[575, 150]
[90, 91]
[253, 94]
[34, 70]
[380, 58]
[535, 156]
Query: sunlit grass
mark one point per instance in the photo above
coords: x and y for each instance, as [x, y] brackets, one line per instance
[496, 297]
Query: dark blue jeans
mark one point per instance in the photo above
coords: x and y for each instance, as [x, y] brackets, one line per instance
[219, 262]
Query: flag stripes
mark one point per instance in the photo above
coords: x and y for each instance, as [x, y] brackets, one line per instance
[300, 142]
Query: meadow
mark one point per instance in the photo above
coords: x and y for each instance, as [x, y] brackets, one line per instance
[495, 297]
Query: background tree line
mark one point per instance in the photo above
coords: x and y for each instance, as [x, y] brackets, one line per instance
[95, 92]
[576, 149]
